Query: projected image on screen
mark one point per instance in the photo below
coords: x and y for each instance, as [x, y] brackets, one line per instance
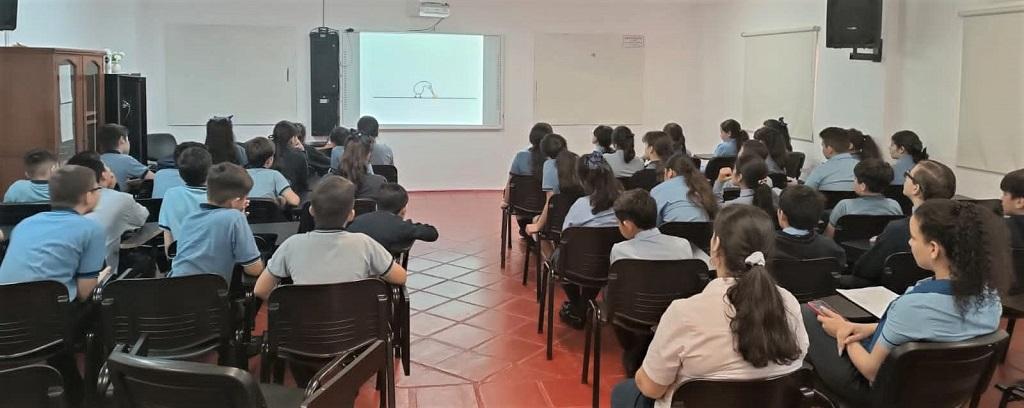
[427, 79]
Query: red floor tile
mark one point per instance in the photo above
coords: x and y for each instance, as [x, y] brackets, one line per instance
[487, 298]
[497, 321]
[464, 336]
[508, 348]
[453, 396]
[472, 366]
[423, 324]
[513, 395]
[429, 351]
[480, 279]
[423, 376]
[522, 307]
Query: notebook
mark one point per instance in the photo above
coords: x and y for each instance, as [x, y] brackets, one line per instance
[873, 299]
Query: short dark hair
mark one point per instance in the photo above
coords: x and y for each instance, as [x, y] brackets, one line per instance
[258, 150]
[339, 135]
[193, 165]
[227, 181]
[68, 185]
[1013, 183]
[802, 205]
[37, 160]
[391, 197]
[935, 179]
[109, 136]
[368, 126]
[332, 201]
[836, 138]
[874, 173]
[90, 160]
[185, 145]
[637, 206]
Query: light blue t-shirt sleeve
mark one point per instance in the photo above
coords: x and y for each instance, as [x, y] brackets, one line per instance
[280, 183]
[134, 168]
[840, 210]
[902, 324]
[549, 181]
[578, 214]
[244, 246]
[336, 153]
[94, 252]
[817, 175]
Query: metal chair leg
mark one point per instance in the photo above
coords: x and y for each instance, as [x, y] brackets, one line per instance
[1010, 323]
[551, 311]
[526, 261]
[540, 253]
[587, 333]
[504, 226]
[597, 364]
[542, 302]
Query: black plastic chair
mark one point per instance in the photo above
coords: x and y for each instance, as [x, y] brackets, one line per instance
[339, 384]
[834, 197]
[389, 172]
[582, 260]
[895, 192]
[785, 391]
[716, 164]
[34, 322]
[525, 199]
[364, 206]
[645, 179]
[153, 206]
[626, 182]
[33, 386]
[795, 163]
[779, 180]
[901, 272]
[265, 211]
[400, 310]
[160, 145]
[698, 233]
[992, 204]
[639, 292]
[1013, 304]
[12, 214]
[807, 279]
[853, 227]
[558, 207]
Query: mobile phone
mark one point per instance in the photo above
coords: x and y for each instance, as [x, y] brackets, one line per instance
[817, 306]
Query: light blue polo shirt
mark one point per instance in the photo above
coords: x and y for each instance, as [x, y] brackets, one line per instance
[864, 205]
[178, 203]
[521, 164]
[164, 180]
[337, 152]
[267, 183]
[59, 245]
[652, 245]
[549, 179]
[900, 167]
[835, 174]
[213, 241]
[581, 215]
[124, 167]
[28, 191]
[726, 149]
[673, 203]
[746, 195]
[381, 154]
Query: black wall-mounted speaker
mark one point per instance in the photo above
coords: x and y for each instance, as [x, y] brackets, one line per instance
[125, 97]
[8, 15]
[853, 23]
[324, 80]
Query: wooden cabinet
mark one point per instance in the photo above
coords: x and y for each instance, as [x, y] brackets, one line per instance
[50, 98]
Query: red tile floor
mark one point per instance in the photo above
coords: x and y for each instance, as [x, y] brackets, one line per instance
[474, 325]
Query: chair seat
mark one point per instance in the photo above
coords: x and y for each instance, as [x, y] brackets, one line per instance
[1013, 305]
[279, 396]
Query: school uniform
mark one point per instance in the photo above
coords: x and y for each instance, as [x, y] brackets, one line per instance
[620, 166]
[674, 204]
[319, 163]
[797, 244]
[391, 230]
[727, 148]
[926, 312]
[381, 154]
[329, 256]
[522, 163]
[165, 180]
[868, 269]
[746, 195]
[28, 191]
[337, 152]
[59, 245]
[369, 185]
[178, 203]
[549, 177]
[292, 164]
[1015, 223]
[118, 213]
[864, 205]
[900, 168]
[267, 183]
[773, 167]
[603, 150]
[835, 174]
[241, 158]
[581, 215]
[124, 167]
[214, 240]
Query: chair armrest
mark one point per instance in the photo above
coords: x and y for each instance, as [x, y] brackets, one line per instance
[1016, 391]
[340, 364]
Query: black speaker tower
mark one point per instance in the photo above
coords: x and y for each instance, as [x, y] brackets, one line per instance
[126, 105]
[8, 15]
[324, 80]
[855, 24]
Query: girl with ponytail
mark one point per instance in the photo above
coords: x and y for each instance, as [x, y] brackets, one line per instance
[863, 146]
[624, 161]
[755, 187]
[906, 148]
[783, 128]
[559, 176]
[675, 131]
[528, 162]
[685, 195]
[742, 326]
[733, 136]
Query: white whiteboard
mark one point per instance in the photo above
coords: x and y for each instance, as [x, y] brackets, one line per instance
[778, 79]
[992, 93]
[246, 71]
[588, 78]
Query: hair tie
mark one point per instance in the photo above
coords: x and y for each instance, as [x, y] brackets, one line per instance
[755, 258]
[593, 161]
[764, 181]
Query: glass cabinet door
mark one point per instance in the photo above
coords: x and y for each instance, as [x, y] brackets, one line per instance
[92, 95]
[66, 105]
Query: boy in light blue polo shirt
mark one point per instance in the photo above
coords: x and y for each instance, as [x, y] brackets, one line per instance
[267, 182]
[181, 201]
[168, 178]
[217, 237]
[872, 177]
[112, 140]
[39, 165]
[836, 173]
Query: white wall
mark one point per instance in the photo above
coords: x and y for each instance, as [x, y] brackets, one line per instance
[85, 24]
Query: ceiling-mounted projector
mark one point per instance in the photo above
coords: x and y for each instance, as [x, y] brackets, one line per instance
[434, 9]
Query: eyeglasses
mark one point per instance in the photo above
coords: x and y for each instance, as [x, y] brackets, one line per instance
[911, 178]
[97, 188]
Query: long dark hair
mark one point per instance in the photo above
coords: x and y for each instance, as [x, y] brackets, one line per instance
[755, 175]
[909, 141]
[603, 135]
[537, 133]
[783, 128]
[700, 190]
[220, 140]
[863, 146]
[599, 182]
[284, 131]
[759, 323]
[976, 242]
[678, 138]
[623, 138]
[735, 131]
[773, 140]
[353, 162]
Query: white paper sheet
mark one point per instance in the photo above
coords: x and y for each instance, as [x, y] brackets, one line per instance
[874, 299]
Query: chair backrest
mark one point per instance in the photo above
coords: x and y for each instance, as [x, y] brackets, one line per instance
[698, 233]
[795, 163]
[1018, 272]
[919, 374]
[992, 204]
[558, 208]
[626, 182]
[895, 192]
[834, 197]
[716, 164]
[339, 384]
[324, 321]
[145, 189]
[177, 313]
[33, 318]
[160, 145]
[33, 386]
[639, 290]
[807, 279]
[785, 391]
[12, 214]
[389, 172]
[153, 205]
[585, 251]
[364, 206]
[264, 210]
[525, 194]
[779, 180]
[645, 179]
[150, 382]
[901, 272]
[858, 226]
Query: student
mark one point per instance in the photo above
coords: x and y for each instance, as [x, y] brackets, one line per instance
[928, 180]
[742, 326]
[659, 149]
[871, 176]
[800, 209]
[267, 182]
[965, 246]
[387, 225]
[559, 176]
[678, 138]
[220, 141]
[113, 142]
[217, 236]
[39, 166]
[836, 173]
[1013, 206]
[382, 154]
[330, 254]
[338, 138]
[906, 148]
[863, 146]
[528, 162]
[179, 202]
[602, 140]
[758, 149]
[117, 212]
[319, 163]
[353, 167]
[685, 195]
[637, 214]
[733, 137]
[782, 127]
[778, 156]
[623, 161]
[594, 210]
[752, 179]
[167, 178]
[288, 159]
